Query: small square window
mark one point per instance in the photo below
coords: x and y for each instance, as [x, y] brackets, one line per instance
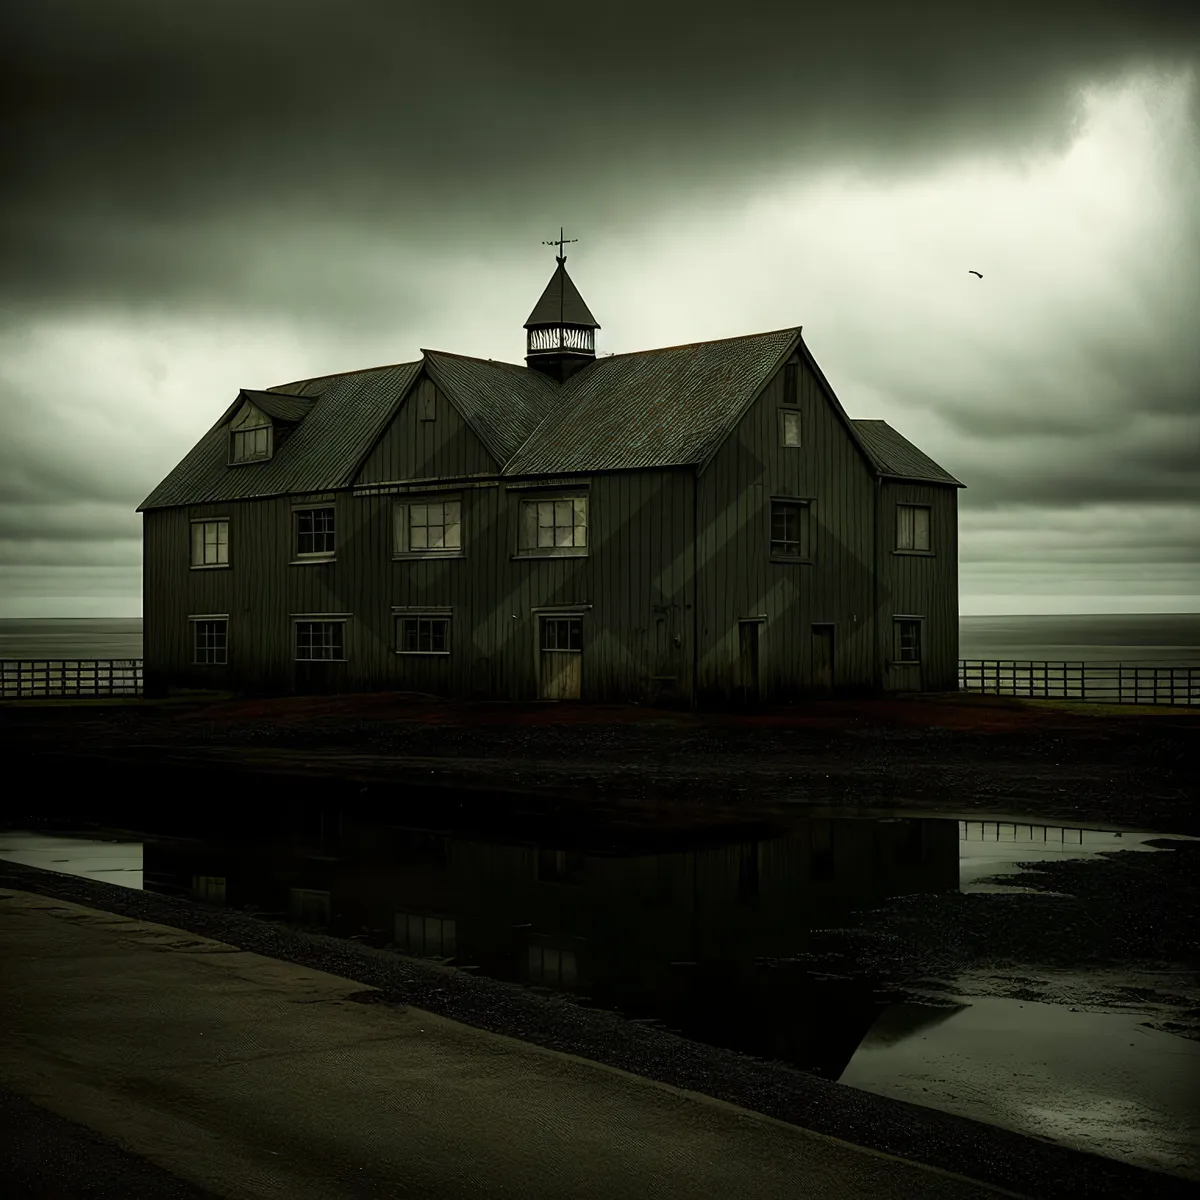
[912, 527]
[210, 543]
[908, 641]
[314, 532]
[210, 642]
[423, 635]
[789, 427]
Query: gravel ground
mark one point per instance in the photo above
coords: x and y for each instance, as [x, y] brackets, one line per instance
[1028, 1167]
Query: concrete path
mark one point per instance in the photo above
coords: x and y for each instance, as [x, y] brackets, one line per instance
[250, 1077]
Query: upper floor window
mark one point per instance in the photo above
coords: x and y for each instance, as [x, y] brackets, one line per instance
[250, 436]
[789, 427]
[427, 527]
[554, 526]
[210, 543]
[314, 532]
[791, 535]
[912, 527]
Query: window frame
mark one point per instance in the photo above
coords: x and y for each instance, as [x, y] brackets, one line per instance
[248, 421]
[897, 643]
[203, 543]
[420, 615]
[786, 414]
[913, 507]
[307, 556]
[402, 526]
[194, 622]
[575, 497]
[805, 505]
[317, 619]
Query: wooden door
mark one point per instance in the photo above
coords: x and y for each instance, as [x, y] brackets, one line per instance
[822, 659]
[560, 658]
[748, 656]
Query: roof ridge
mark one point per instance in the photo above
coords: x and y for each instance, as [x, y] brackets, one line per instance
[338, 375]
[737, 337]
[491, 362]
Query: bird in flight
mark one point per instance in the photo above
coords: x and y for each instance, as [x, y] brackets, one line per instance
[974, 273]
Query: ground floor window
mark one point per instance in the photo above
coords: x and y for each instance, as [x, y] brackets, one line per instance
[423, 635]
[434, 937]
[908, 640]
[210, 640]
[320, 641]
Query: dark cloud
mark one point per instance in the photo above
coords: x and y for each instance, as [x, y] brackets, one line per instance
[148, 143]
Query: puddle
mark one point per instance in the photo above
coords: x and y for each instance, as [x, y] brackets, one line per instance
[718, 942]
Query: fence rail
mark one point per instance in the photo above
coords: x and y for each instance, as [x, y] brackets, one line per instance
[1111, 683]
[70, 677]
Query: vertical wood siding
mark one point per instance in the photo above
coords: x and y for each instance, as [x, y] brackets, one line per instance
[737, 578]
[920, 585]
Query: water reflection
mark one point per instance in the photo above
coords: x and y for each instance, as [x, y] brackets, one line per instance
[705, 940]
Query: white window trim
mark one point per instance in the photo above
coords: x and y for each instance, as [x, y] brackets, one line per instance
[897, 548]
[438, 614]
[316, 555]
[400, 527]
[319, 619]
[784, 414]
[195, 566]
[774, 555]
[532, 497]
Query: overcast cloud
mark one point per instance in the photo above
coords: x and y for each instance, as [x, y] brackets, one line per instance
[204, 197]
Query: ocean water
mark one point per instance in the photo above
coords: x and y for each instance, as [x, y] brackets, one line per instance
[1153, 638]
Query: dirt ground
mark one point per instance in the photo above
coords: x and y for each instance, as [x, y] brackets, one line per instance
[630, 766]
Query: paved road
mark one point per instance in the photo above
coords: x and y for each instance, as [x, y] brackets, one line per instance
[249, 1077]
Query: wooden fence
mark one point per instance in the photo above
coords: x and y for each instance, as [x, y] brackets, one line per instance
[70, 677]
[1111, 683]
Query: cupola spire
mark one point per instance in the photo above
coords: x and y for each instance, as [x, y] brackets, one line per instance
[561, 329]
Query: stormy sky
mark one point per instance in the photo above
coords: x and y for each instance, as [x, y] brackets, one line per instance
[200, 197]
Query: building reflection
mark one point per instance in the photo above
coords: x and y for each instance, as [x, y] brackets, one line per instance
[708, 940]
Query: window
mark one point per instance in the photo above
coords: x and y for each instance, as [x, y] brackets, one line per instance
[554, 526]
[421, 935]
[210, 641]
[789, 427]
[210, 543]
[209, 888]
[790, 521]
[250, 437]
[912, 527]
[308, 906]
[560, 866]
[314, 532]
[320, 641]
[428, 528]
[908, 641]
[551, 967]
[422, 635]
[791, 374]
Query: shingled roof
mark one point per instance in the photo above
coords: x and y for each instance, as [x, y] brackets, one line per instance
[656, 408]
[561, 303]
[894, 455]
[322, 452]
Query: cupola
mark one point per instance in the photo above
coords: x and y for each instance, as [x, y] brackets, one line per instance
[561, 329]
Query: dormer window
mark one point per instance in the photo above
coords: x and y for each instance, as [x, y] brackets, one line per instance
[251, 436]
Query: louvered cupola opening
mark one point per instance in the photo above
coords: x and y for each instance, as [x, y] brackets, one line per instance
[561, 331]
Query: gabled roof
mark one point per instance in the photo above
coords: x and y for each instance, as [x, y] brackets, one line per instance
[894, 455]
[561, 303]
[501, 402]
[323, 451]
[655, 408]
[279, 407]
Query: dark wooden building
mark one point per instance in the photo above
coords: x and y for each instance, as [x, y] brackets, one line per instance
[700, 523]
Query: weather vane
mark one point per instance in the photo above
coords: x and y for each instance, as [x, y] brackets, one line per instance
[560, 257]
